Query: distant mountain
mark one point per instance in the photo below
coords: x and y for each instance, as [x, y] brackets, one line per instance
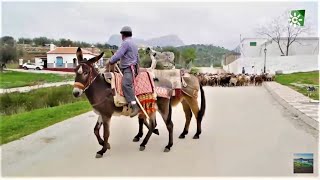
[169, 40]
[114, 40]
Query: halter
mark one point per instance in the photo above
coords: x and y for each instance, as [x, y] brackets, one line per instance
[89, 82]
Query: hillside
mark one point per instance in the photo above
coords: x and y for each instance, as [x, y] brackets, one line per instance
[207, 54]
[168, 40]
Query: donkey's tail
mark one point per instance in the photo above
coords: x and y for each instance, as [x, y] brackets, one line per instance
[203, 104]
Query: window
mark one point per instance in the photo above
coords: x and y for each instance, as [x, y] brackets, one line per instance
[253, 43]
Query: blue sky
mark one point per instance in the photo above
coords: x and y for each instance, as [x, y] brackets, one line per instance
[304, 155]
[218, 23]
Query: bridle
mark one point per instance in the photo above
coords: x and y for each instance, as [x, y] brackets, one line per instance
[88, 83]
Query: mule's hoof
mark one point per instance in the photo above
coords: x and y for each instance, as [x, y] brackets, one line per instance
[196, 137]
[99, 155]
[182, 136]
[136, 139]
[166, 150]
[142, 148]
[108, 146]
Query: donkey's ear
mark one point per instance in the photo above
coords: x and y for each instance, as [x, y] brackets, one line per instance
[79, 55]
[95, 59]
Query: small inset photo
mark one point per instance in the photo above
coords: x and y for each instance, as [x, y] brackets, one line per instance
[303, 163]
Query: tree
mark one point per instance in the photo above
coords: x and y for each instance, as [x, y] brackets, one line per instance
[41, 41]
[7, 40]
[188, 55]
[65, 42]
[281, 32]
[8, 50]
[99, 45]
[24, 40]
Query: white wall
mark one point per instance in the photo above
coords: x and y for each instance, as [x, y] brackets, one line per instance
[38, 61]
[251, 51]
[67, 58]
[287, 64]
[301, 47]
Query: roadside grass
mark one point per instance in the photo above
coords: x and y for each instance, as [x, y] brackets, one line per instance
[13, 127]
[11, 79]
[14, 103]
[311, 78]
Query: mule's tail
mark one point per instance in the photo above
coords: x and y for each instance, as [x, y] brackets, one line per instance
[203, 104]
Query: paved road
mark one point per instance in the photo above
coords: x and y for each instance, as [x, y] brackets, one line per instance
[245, 133]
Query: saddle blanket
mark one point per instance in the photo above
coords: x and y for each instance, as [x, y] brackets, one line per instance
[144, 85]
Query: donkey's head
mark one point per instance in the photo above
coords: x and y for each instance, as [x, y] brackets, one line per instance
[85, 73]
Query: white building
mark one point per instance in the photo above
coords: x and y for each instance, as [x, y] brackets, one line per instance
[254, 47]
[302, 56]
[65, 57]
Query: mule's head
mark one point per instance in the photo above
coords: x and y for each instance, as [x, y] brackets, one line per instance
[85, 73]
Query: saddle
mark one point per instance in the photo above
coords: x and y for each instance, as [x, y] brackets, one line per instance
[178, 79]
[144, 89]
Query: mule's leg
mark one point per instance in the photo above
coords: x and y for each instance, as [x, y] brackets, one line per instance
[106, 133]
[96, 130]
[193, 103]
[165, 109]
[140, 133]
[151, 128]
[188, 115]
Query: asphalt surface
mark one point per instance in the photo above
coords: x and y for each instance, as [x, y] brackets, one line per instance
[245, 133]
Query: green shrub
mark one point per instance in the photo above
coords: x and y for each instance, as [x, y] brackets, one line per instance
[13, 103]
[194, 70]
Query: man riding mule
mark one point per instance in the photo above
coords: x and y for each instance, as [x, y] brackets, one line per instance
[104, 92]
[129, 59]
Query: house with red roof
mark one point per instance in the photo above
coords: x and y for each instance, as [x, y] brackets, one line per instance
[64, 58]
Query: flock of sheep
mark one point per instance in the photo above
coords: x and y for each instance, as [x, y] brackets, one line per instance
[230, 79]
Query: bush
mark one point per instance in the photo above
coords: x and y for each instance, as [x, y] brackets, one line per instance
[13, 103]
[194, 70]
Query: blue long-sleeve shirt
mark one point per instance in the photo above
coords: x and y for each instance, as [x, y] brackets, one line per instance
[127, 53]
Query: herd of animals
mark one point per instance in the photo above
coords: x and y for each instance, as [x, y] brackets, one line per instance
[230, 79]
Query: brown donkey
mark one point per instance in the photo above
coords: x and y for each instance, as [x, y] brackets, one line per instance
[100, 96]
[188, 98]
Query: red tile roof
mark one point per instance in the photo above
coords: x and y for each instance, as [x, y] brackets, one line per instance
[69, 50]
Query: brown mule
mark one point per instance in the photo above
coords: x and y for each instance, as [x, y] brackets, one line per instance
[188, 98]
[100, 95]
